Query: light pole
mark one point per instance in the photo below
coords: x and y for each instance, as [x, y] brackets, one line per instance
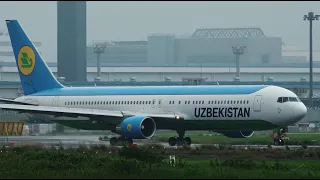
[99, 48]
[238, 50]
[311, 17]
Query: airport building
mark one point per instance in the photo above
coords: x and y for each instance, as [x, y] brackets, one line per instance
[72, 39]
[206, 47]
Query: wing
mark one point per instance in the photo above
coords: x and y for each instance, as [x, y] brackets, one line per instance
[92, 114]
[11, 101]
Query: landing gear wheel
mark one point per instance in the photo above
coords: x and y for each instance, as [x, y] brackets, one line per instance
[128, 141]
[278, 142]
[180, 141]
[172, 141]
[113, 141]
[187, 141]
[121, 141]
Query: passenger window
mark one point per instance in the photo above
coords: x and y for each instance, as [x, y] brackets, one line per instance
[208, 102]
[188, 102]
[179, 102]
[285, 99]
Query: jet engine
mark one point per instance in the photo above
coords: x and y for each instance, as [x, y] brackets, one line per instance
[137, 127]
[237, 134]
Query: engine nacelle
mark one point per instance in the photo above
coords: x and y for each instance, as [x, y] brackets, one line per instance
[137, 127]
[237, 134]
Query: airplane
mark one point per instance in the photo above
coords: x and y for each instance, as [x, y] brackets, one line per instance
[136, 112]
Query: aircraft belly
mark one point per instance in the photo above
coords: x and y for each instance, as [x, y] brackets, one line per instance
[254, 125]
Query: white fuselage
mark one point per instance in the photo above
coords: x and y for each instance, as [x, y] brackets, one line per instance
[261, 105]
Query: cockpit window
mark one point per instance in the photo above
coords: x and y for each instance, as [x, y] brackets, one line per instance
[288, 99]
[279, 100]
[293, 99]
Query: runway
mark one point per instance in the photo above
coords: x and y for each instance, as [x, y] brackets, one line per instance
[72, 141]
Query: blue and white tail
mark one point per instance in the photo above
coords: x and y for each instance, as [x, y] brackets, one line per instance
[34, 73]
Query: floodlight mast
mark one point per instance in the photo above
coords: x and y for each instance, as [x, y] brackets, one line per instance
[238, 50]
[311, 17]
[99, 48]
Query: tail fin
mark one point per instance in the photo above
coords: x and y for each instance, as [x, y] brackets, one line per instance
[34, 73]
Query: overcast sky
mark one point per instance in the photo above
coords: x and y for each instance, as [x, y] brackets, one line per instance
[135, 20]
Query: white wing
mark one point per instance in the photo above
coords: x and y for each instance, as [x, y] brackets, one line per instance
[93, 114]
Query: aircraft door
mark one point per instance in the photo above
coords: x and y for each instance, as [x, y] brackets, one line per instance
[55, 101]
[257, 103]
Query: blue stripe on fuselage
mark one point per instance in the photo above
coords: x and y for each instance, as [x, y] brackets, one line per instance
[151, 90]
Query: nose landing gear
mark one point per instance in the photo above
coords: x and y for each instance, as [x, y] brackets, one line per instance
[279, 136]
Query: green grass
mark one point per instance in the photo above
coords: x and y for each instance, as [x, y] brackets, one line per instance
[205, 138]
[151, 161]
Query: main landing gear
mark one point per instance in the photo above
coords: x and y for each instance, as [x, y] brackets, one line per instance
[180, 140]
[121, 141]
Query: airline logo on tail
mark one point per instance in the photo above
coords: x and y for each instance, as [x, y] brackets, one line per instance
[26, 60]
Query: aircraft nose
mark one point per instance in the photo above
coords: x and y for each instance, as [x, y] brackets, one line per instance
[300, 110]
